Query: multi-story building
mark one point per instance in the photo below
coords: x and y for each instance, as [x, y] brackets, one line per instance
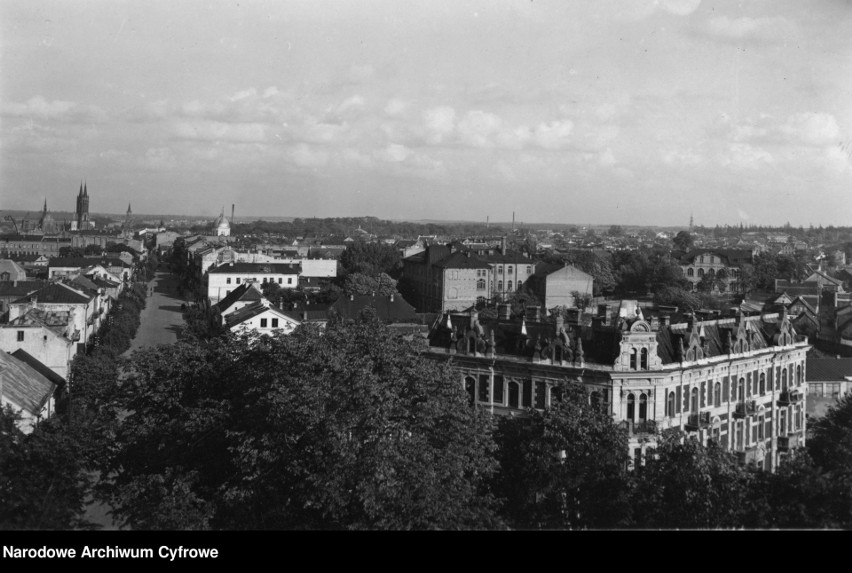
[738, 381]
[699, 263]
[438, 280]
[225, 278]
[555, 285]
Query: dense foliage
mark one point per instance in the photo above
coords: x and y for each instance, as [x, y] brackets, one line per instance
[344, 429]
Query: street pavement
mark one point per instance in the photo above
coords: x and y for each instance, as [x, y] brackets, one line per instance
[162, 316]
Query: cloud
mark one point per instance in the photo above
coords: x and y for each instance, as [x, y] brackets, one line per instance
[37, 107]
[745, 156]
[774, 28]
[439, 123]
[207, 130]
[812, 128]
[305, 155]
[680, 7]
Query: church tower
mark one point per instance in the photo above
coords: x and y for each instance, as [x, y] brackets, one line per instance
[128, 218]
[83, 208]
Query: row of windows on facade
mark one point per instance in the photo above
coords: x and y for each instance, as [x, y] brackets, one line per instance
[453, 292]
[824, 389]
[714, 394]
[525, 394]
[254, 279]
[732, 273]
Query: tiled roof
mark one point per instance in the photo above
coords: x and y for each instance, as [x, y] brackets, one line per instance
[251, 311]
[36, 365]
[23, 385]
[22, 288]
[821, 369]
[56, 293]
[388, 309]
[258, 268]
[510, 258]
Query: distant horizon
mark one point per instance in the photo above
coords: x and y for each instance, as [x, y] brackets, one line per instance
[615, 112]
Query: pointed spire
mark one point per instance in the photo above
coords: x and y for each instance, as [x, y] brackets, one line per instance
[85, 189]
[80, 194]
[128, 209]
[45, 204]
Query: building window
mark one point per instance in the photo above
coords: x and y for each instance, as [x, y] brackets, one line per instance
[762, 387]
[643, 358]
[20, 336]
[509, 286]
[513, 394]
[717, 395]
[595, 399]
[484, 390]
[703, 394]
[761, 425]
[519, 285]
[470, 388]
[280, 280]
[263, 323]
[498, 389]
[528, 387]
[228, 281]
[529, 270]
[798, 374]
[289, 280]
[540, 390]
[690, 272]
[700, 273]
[500, 286]
[778, 378]
[274, 323]
[784, 379]
[631, 407]
[694, 400]
[741, 390]
[670, 405]
[633, 359]
[643, 407]
[480, 284]
[238, 280]
[509, 270]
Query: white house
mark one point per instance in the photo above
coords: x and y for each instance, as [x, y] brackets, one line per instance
[260, 317]
[225, 278]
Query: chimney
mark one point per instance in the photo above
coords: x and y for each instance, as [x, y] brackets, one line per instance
[232, 213]
[503, 244]
[655, 323]
[504, 311]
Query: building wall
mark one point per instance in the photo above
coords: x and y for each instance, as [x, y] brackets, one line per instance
[504, 273]
[703, 264]
[460, 287]
[53, 351]
[760, 435]
[559, 286]
[265, 322]
[220, 284]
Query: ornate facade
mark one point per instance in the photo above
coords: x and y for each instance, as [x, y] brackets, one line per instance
[738, 381]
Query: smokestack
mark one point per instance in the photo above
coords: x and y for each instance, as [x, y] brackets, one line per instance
[232, 213]
[513, 221]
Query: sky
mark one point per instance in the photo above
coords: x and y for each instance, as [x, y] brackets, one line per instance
[639, 112]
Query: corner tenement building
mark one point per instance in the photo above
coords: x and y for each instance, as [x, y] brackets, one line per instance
[738, 380]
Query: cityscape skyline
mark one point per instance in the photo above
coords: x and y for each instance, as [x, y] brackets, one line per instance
[631, 113]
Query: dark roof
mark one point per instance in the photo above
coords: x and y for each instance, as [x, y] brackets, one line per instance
[23, 385]
[20, 288]
[259, 268]
[510, 258]
[56, 293]
[462, 261]
[36, 365]
[248, 312]
[388, 309]
[819, 369]
[85, 262]
[244, 292]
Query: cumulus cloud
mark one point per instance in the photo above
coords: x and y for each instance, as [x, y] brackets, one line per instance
[219, 131]
[305, 155]
[812, 128]
[439, 123]
[745, 156]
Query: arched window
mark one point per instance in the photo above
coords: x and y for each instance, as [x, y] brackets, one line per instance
[717, 394]
[711, 273]
[484, 390]
[508, 270]
[784, 379]
[500, 286]
[470, 388]
[5, 276]
[633, 359]
[631, 407]
[643, 355]
[762, 388]
[690, 272]
[643, 407]
[519, 285]
[694, 400]
[480, 284]
[670, 405]
[471, 345]
[509, 286]
[741, 390]
[700, 272]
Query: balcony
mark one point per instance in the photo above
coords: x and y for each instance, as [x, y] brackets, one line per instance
[749, 456]
[643, 428]
[788, 397]
[697, 420]
[788, 443]
[746, 408]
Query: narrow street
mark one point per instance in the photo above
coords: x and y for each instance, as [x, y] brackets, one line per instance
[159, 323]
[161, 316]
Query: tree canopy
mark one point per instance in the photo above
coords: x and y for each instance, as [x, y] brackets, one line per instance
[348, 428]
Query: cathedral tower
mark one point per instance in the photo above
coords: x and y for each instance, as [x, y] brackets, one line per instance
[83, 208]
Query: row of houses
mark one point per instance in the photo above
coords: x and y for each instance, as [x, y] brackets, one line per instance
[44, 324]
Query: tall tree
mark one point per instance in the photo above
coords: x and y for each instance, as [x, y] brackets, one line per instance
[564, 467]
[346, 428]
[683, 241]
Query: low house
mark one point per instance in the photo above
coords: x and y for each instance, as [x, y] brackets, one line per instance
[50, 337]
[260, 317]
[828, 379]
[11, 271]
[25, 390]
[242, 296]
[225, 278]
